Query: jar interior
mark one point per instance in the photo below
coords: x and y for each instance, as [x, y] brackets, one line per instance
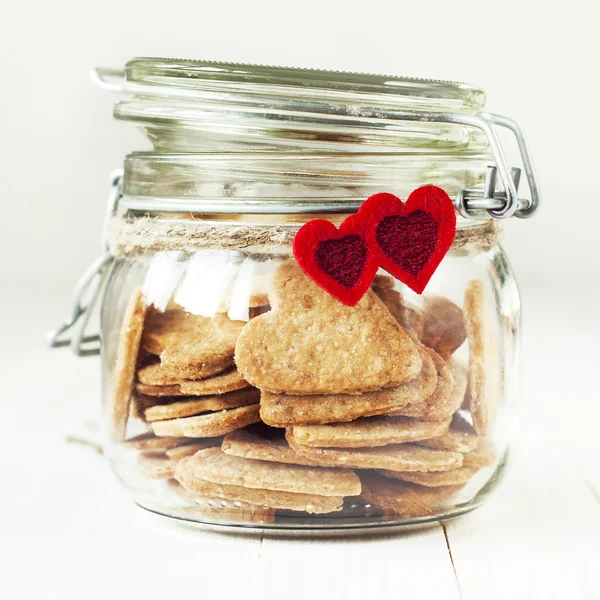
[243, 455]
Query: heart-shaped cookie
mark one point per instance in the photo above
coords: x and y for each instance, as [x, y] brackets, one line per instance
[312, 344]
[341, 261]
[410, 239]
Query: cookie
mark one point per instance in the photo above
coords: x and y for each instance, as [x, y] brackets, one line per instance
[399, 457]
[180, 452]
[151, 443]
[153, 373]
[176, 487]
[483, 385]
[444, 400]
[156, 466]
[209, 425]
[159, 391]
[444, 326]
[310, 343]
[139, 403]
[182, 339]
[227, 510]
[409, 317]
[217, 467]
[461, 437]
[263, 443]
[458, 476]
[281, 410]
[367, 432]
[460, 385]
[195, 406]
[403, 498]
[483, 456]
[184, 474]
[124, 373]
[227, 381]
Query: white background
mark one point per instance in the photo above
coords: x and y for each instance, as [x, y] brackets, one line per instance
[68, 528]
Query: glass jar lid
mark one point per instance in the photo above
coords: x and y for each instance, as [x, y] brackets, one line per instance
[187, 106]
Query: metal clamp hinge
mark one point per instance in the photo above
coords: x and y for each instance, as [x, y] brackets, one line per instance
[88, 290]
[505, 202]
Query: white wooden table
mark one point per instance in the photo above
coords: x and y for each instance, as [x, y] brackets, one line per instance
[68, 531]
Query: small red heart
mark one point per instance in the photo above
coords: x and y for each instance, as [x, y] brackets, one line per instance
[411, 239]
[341, 261]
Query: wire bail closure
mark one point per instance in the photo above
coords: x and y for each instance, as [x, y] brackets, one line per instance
[88, 290]
[496, 201]
[503, 203]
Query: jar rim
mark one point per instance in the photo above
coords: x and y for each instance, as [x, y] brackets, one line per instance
[198, 73]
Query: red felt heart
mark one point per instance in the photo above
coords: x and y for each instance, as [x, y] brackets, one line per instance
[411, 239]
[341, 261]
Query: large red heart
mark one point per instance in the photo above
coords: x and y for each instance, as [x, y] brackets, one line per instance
[341, 261]
[410, 239]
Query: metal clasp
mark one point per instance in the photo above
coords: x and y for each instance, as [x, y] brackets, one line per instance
[503, 203]
[88, 290]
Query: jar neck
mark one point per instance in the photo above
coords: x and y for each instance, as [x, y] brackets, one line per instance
[286, 184]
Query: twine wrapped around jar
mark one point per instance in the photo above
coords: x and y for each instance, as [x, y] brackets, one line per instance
[153, 233]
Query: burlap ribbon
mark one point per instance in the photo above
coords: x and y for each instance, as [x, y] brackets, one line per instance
[126, 235]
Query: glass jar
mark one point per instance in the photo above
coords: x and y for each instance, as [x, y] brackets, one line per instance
[236, 391]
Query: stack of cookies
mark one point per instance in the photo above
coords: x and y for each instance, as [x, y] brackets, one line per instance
[311, 402]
